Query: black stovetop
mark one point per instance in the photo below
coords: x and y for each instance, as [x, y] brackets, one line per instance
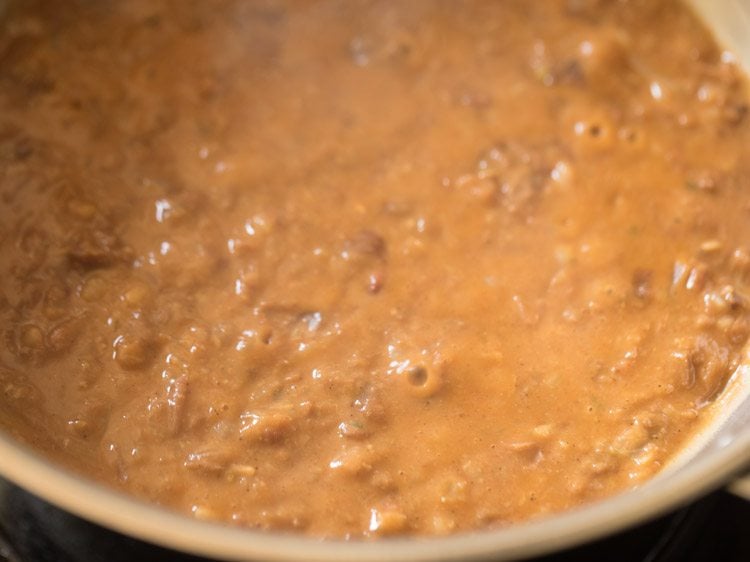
[714, 528]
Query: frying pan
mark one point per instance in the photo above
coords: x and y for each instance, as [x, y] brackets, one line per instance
[714, 459]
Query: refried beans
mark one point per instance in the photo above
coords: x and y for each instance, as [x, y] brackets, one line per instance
[366, 267]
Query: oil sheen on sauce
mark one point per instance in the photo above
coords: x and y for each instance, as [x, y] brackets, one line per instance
[364, 268]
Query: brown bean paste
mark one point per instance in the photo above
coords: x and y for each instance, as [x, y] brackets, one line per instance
[360, 268]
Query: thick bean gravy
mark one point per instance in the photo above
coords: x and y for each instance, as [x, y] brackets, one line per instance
[362, 268]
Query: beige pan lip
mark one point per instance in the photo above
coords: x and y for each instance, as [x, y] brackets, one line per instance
[730, 21]
[152, 523]
[723, 450]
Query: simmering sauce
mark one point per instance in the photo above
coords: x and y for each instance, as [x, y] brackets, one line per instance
[363, 268]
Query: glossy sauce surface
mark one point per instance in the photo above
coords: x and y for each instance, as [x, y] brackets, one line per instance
[364, 268]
